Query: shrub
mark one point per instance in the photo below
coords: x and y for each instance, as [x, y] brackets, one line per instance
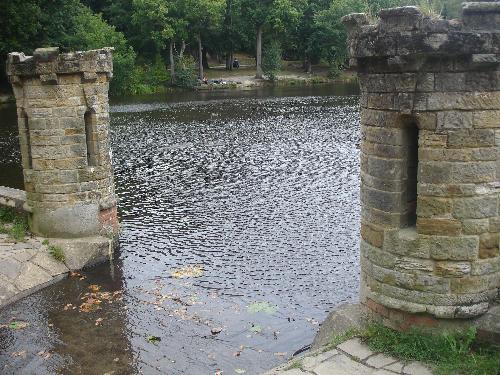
[185, 71]
[272, 60]
[148, 79]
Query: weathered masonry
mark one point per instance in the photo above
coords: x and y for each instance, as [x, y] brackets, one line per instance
[430, 117]
[62, 108]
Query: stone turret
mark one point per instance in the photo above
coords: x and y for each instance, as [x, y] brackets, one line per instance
[430, 167]
[62, 108]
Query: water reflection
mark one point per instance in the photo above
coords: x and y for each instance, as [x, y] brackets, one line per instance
[261, 193]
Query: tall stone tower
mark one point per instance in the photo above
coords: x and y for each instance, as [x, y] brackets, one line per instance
[430, 166]
[62, 108]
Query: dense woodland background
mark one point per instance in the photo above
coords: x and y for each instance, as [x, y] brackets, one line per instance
[159, 42]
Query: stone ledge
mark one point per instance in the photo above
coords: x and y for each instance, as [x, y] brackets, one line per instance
[13, 198]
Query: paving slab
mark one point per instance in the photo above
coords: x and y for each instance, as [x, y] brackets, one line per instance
[416, 368]
[23, 255]
[342, 365]
[31, 276]
[309, 363]
[356, 348]
[294, 371]
[48, 263]
[380, 360]
[10, 268]
[395, 367]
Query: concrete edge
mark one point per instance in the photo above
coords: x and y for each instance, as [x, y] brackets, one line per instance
[28, 292]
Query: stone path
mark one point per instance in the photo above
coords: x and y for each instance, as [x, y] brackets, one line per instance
[349, 358]
[26, 267]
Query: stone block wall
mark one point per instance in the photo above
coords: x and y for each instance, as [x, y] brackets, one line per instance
[63, 118]
[430, 167]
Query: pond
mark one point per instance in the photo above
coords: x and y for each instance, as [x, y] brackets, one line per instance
[239, 214]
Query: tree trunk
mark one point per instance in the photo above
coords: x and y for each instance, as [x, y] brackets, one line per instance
[183, 48]
[200, 58]
[259, 74]
[204, 58]
[308, 66]
[172, 62]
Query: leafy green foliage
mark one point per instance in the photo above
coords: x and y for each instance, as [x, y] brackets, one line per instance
[92, 32]
[271, 61]
[341, 337]
[57, 253]
[450, 353]
[13, 224]
[185, 73]
[148, 79]
[141, 31]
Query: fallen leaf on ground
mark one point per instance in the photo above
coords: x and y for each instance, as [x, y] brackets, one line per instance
[188, 271]
[77, 275]
[98, 321]
[239, 371]
[153, 339]
[19, 354]
[44, 354]
[94, 288]
[264, 307]
[18, 325]
[255, 328]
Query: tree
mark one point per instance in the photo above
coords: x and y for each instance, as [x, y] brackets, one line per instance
[272, 60]
[202, 16]
[272, 14]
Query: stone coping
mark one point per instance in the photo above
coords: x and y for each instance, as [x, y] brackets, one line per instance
[13, 198]
[47, 63]
[406, 31]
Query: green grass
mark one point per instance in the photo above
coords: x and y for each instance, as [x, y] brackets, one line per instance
[296, 364]
[447, 353]
[340, 338]
[13, 224]
[57, 253]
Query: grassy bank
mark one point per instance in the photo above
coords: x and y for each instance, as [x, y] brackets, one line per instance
[13, 224]
[446, 353]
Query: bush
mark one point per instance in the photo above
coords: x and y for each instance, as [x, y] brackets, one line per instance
[272, 60]
[148, 79]
[185, 71]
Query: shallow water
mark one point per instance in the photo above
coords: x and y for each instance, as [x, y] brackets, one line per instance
[260, 191]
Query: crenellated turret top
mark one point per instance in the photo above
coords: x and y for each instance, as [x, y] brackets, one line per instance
[47, 63]
[405, 32]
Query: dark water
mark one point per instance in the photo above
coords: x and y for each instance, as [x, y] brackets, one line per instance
[259, 192]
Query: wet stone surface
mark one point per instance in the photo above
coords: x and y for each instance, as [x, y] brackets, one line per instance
[24, 267]
[238, 215]
[345, 359]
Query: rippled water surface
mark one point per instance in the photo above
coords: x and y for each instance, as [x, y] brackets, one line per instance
[258, 194]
